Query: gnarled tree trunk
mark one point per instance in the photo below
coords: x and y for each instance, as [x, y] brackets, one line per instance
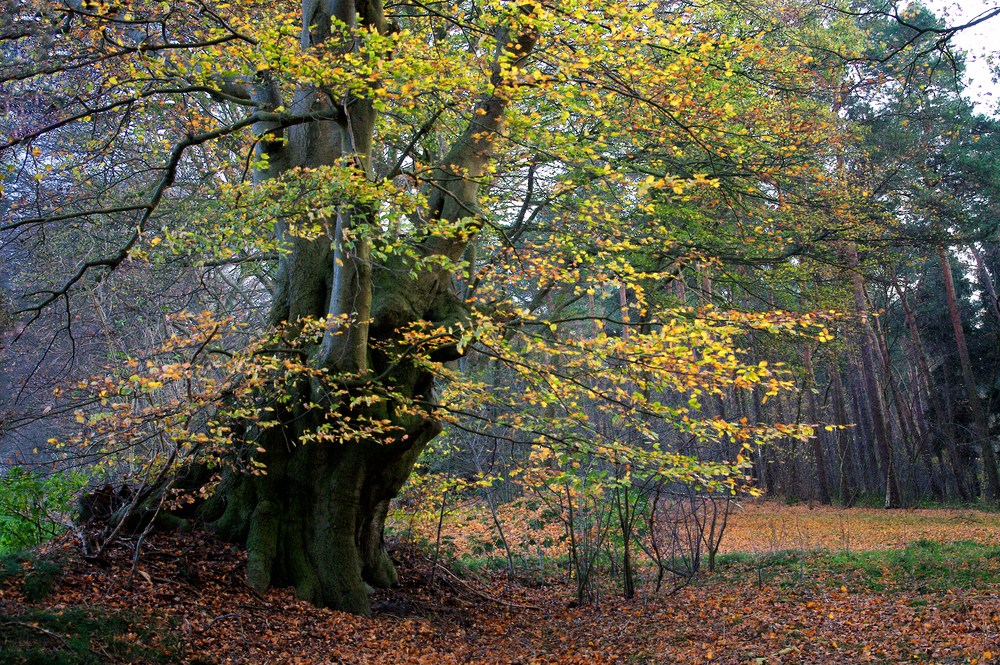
[314, 518]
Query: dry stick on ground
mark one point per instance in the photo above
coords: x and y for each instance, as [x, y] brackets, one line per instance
[484, 596]
[44, 631]
[142, 537]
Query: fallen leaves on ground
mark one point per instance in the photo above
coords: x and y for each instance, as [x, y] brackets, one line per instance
[752, 613]
[766, 526]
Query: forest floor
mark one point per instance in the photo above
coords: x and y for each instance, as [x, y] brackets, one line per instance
[795, 585]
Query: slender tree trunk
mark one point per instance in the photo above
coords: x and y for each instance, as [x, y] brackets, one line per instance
[864, 433]
[991, 478]
[992, 302]
[625, 507]
[879, 413]
[819, 458]
[880, 424]
[789, 450]
[934, 397]
[848, 474]
[904, 417]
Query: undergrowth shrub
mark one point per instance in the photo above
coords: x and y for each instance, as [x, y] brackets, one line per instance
[35, 507]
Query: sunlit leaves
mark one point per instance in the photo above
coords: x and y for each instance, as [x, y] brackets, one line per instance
[634, 144]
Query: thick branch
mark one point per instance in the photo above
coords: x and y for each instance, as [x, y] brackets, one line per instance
[149, 207]
[456, 182]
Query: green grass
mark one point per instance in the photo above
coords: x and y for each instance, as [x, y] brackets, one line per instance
[37, 576]
[74, 635]
[84, 636]
[922, 567]
[925, 565]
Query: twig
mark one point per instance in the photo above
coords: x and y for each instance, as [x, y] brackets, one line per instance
[37, 628]
[135, 555]
[224, 616]
[486, 596]
[256, 594]
[146, 532]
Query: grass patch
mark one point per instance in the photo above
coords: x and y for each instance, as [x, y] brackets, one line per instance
[38, 576]
[85, 636]
[73, 635]
[528, 570]
[924, 566]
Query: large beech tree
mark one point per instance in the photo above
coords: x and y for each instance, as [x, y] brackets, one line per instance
[423, 179]
[316, 518]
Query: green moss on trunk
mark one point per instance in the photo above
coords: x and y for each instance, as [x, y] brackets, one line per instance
[315, 519]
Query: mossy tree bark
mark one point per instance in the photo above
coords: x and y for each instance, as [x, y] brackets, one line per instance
[315, 518]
